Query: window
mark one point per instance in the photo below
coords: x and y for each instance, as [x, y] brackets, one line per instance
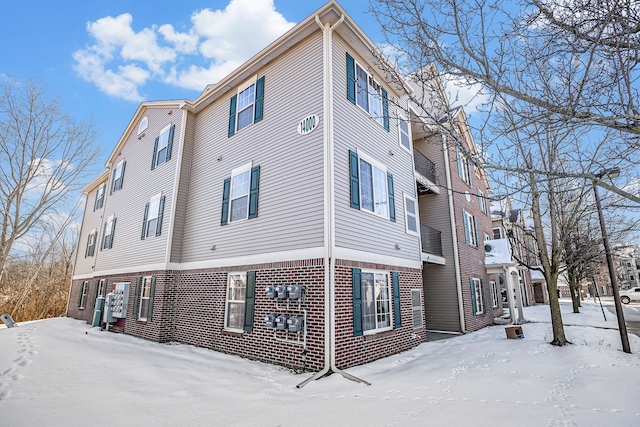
[99, 202]
[416, 308]
[364, 91]
[497, 234]
[495, 295]
[107, 233]
[371, 186]
[486, 236]
[91, 243]
[470, 228]
[101, 288]
[240, 194]
[411, 216]
[482, 202]
[404, 127]
[152, 221]
[118, 176]
[239, 308]
[464, 168]
[144, 124]
[477, 296]
[84, 290]
[247, 105]
[163, 146]
[372, 301]
[145, 291]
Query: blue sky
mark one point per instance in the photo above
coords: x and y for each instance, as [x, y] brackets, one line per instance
[101, 58]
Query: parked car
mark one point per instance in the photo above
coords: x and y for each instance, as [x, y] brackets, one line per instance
[629, 295]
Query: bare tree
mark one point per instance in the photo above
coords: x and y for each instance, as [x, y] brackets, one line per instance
[45, 158]
[577, 68]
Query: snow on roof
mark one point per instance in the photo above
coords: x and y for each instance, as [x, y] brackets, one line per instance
[497, 252]
[536, 275]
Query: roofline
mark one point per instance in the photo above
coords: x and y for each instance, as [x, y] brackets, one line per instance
[96, 182]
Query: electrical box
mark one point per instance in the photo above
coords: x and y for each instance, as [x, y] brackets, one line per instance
[271, 291]
[295, 324]
[107, 316]
[281, 322]
[295, 291]
[270, 321]
[120, 300]
[281, 291]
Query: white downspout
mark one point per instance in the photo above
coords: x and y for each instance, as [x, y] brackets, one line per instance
[329, 212]
[456, 260]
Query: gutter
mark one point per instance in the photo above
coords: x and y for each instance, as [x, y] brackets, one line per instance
[329, 212]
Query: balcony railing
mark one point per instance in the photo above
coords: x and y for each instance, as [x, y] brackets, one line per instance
[431, 240]
[424, 166]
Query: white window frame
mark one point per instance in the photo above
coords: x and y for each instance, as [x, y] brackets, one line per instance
[408, 215]
[470, 231]
[102, 288]
[376, 190]
[238, 176]
[163, 144]
[499, 230]
[108, 231]
[246, 101]
[145, 293]
[84, 292]
[144, 124]
[482, 201]
[99, 203]
[152, 215]
[373, 89]
[387, 311]
[416, 308]
[119, 175]
[495, 295]
[402, 119]
[91, 242]
[479, 296]
[229, 302]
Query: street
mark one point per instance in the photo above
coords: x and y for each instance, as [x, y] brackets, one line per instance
[631, 315]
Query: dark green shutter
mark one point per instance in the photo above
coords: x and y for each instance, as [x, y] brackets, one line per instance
[484, 294]
[170, 142]
[232, 116]
[155, 153]
[113, 233]
[397, 314]
[259, 105]
[226, 190]
[86, 251]
[465, 223]
[113, 182]
[473, 297]
[475, 223]
[95, 202]
[136, 298]
[152, 292]
[356, 282]
[351, 79]
[469, 168]
[354, 180]
[104, 230]
[392, 199]
[253, 192]
[249, 305]
[385, 108]
[144, 222]
[160, 215]
[80, 296]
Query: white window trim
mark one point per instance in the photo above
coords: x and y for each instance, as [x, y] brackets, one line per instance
[469, 223]
[238, 171]
[495, 299]
[144, 124]
[151, 213]
[119, 174]
[164, 130]
[415, 215]
[143, 316]
[227, 300]
[413, 309]
[383, 168]
[479, 297]
[370, 76]
[93, 238]
[401, 118]
[84, 295]
[390, 293]
[244, 86]
[109, 228]
[100, 195]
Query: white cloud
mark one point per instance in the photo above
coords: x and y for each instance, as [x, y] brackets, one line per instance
[463, 94]
[122, 60]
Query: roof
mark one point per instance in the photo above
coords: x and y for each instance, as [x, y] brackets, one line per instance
[498, 252]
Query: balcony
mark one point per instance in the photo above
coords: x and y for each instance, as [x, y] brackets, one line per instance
[425, 173]
[431, 240]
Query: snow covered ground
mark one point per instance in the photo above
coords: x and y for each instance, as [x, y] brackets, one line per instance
[62, 372]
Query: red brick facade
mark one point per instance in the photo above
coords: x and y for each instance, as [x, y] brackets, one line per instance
[189, 307]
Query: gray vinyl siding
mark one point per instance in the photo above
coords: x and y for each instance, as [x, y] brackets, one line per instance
[440, 287]
[91, 220]
[290, 208]
[355, 129]
[140, 184]
[183, 189]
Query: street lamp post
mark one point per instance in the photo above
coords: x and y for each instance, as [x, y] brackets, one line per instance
[622, 327]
